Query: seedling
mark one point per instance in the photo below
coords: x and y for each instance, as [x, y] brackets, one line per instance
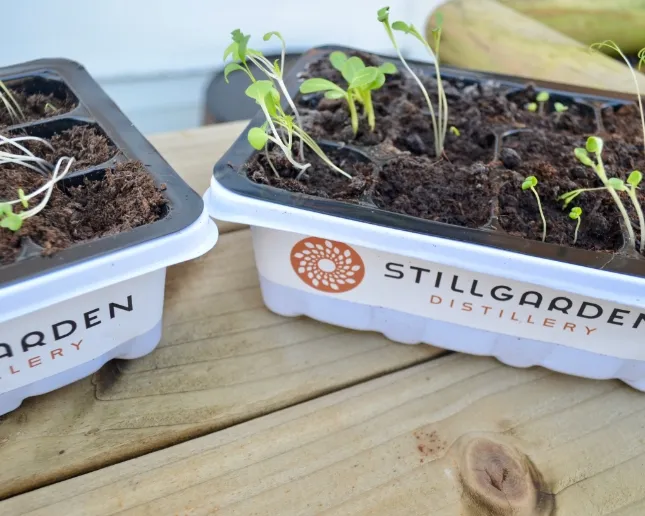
[240, 52]
[634, 179]
[268, 98]
[532, 107]
[540, 100]
[455, 131]
[11, 104]
[25, 157]
[560, 107]
[50, 107]
[439, 122]
[641, 56]
[361, 80]
[594, 147]
[13, 220]
[529, 184]
[576, 214]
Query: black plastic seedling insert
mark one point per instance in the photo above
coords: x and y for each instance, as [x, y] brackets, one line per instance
[232, 170]
[75, 99]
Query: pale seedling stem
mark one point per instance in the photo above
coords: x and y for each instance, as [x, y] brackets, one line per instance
[529, 184]
[268, 157]
[10, 102]
[613, 46]
[633, 181]
[576, 214]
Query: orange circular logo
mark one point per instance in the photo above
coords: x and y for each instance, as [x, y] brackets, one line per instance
[326, 265]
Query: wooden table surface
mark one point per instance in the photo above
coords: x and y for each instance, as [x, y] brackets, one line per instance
[240, 411]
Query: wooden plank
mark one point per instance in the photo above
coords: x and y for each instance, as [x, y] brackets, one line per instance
[459, 435]
[194, 152]
[224, 358]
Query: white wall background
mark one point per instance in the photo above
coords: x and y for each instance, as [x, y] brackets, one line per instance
[154, 57]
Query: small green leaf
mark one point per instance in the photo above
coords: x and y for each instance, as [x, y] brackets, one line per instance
[635, 178]
[438, 20]
[575, 213]
[258, 90]
[594, 144]
[351, 67]
[532, 107]
[529, 182]
[402, 26]
[583, 156]
[333, 94]
[230, 50]
[242, 41]
[338, 59]
[388, 68]
[560, 107]
[617, 184]
[275, 33]
[382, 14]
[378, 82]
[316, 85]
[454, 130]
[231, 67]
[257, 138]
[5, 209]
[23, 198]
[12, 222]
[364, 77]
[271, 102]
[543, 96]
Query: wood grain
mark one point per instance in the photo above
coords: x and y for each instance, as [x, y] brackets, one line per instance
[194, 152]
[459, 435]
[224, 358]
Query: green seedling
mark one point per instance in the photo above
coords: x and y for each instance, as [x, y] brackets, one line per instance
[362, 81]
[576, 214]
[242, 55]
[13, 220]
[11, 104]
[268, 98]
[532, 107]
[560, 107]
[594, 147]
[609, 44]
[440, 121]
[633, 180]
[540, 101]
[455, 131]
[50, 107]
[529, 184]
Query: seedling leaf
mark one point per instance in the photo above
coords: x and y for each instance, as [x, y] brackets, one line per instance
[583, 157]
[575, 213]
[383, 14]
[402, 26]
[617, 184]
[364, 77]
[560, 107]
[635, 178]
[316, 85]
[230, 50]
[259, 90]
[23, 198]
[532, 107]
[378, 82]
[594, 144]
[257, 138]
[351, 67]
[231, 67]
[388, 68]
[455, 131]
[338, 59]
[529, 182]
[543, 96]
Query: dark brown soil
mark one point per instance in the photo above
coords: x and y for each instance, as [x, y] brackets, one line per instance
[35, 106]
[85, 143]
[125, 198]
[478, 179]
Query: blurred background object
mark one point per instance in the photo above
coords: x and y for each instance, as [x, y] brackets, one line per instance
[155, 58]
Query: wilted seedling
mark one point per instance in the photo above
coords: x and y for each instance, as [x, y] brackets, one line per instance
[440, 121]
[529, 184]
[11, 104]
[361, 80]
[634, 179]
[594, 147]
[611, 45]
[455, 131]
[13, 220]
[576, 214]
[560, 107]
